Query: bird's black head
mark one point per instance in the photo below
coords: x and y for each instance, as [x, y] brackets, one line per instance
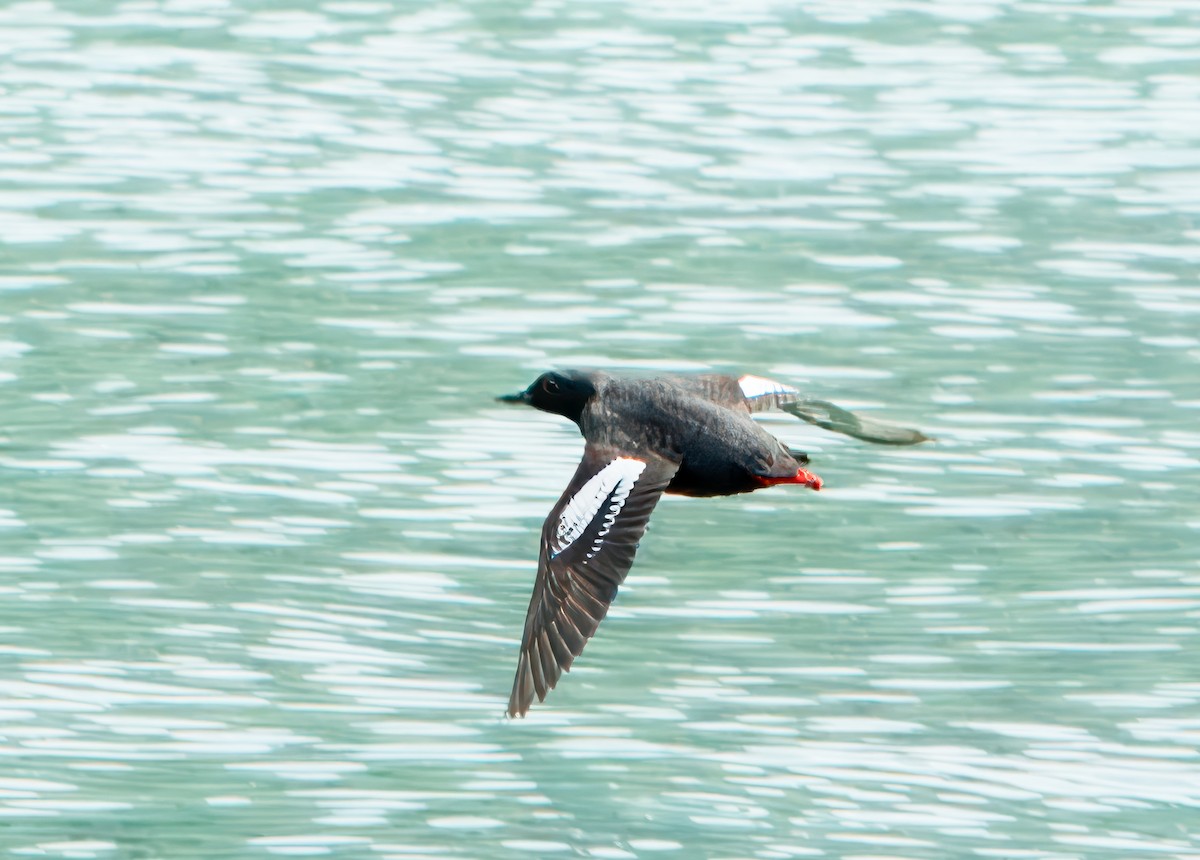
[561, 392]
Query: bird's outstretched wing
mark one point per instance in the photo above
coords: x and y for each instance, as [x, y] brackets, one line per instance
[588, 544]
[758, 394]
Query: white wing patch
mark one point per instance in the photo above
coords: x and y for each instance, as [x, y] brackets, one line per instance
[757, 386]
[616, 479]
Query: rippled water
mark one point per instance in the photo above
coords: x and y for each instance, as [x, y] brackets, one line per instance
[266, 541]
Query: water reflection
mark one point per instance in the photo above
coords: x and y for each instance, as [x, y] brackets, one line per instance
[268, 542]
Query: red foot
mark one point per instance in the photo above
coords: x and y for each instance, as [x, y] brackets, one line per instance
[802, 476]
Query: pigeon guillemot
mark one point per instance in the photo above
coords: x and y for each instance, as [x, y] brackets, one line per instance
[691, 435]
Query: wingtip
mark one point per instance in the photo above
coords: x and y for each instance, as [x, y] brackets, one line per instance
[515, 710]
[522, 693]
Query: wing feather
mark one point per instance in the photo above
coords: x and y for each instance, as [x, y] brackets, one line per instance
[759, 394]
[588, 545]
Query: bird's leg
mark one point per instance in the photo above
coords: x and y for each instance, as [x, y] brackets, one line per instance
[802, 476]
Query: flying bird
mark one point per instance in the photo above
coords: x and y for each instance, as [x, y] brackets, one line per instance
[687, 434]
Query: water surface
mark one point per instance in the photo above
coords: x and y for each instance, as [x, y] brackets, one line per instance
[266, 541]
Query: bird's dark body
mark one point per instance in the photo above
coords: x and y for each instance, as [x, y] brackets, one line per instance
[719, 451]
[688, 435]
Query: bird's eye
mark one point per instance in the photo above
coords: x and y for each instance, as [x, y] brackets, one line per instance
[550, 386]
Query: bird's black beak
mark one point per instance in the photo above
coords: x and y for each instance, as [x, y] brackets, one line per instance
[519, 397]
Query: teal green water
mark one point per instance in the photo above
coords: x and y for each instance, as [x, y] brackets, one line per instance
[266, 541]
